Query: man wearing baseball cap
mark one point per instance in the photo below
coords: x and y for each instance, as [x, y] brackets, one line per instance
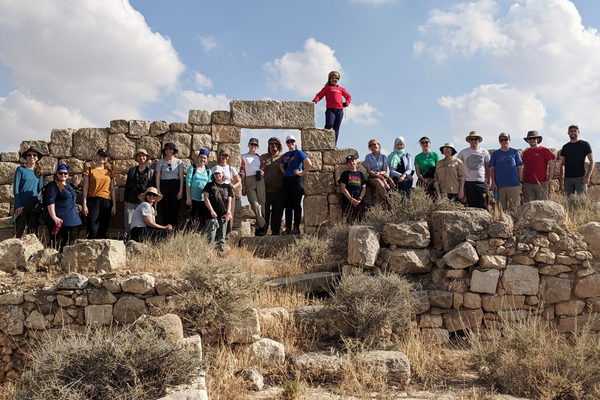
[506, 173]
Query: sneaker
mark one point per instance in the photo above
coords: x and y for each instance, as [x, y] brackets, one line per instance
[295, 231]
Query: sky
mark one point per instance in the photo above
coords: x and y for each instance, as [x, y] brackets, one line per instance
[435, 68]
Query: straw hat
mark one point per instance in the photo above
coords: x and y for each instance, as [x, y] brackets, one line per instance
[473, 134]
[154, 190]
[449, 145]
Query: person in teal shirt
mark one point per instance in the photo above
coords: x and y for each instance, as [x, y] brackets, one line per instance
[28, 182]
[425, 166]
[196, 178]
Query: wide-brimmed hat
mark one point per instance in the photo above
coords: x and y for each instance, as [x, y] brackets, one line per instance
[24, 154]
[276, 140]
[170, 146]
[449, 145]
[473, 134]
[141, 151]
[154, 190]
[533, 135]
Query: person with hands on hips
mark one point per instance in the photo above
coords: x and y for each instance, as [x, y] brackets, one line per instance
[99, 199]
[60, 214]
[294, 165]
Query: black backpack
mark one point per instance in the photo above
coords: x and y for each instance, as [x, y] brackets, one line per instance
[40, 201]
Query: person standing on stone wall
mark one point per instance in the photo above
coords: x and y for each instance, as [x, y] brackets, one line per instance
[353, 185]
[506, 174]
[196, 178]
[231, 178]
[99, 200]
[476, 161]
[572, 164]
[253, 186]
[170, 184]
[294, 165]
[334, 96]
[139, 178]
[273, 186]
[538, 169]
[27, 184]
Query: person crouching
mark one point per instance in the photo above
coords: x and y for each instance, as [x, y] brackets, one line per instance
[143, 221]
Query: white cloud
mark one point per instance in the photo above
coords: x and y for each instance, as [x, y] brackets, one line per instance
[86, 61]
[363, 114]
[202, 82]
[189, 100]
[208, 42]
[491, 109]
[304, 72]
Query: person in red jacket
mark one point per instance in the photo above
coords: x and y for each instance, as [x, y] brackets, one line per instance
[335, 105]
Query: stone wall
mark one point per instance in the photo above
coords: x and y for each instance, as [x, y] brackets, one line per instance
[219, 129]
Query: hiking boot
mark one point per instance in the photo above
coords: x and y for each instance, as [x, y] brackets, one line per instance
[260, 231]
[286, 232]
[295, 231]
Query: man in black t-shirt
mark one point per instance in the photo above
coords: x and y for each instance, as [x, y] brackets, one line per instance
[572, 157]
[353, 184]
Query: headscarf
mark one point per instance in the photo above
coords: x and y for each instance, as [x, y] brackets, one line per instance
[63, 167]
[396, 155]
[204, 152]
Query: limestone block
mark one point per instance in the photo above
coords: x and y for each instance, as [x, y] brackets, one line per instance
[97, 315]
[5, 211]
[456, 273]
[62, 317]
[61, 142]
[226, 134]
[485, 282]
[199, 117]
[202, 141]
[591, 234]
[158, 128]
[554, 269]
[73, 282]
[523, 260]
[435, 336]
[273, 315]
[169, 327]
[521, 279]
[75, 164]
[318, 183]
[120, 147]
[36, 321]
[318, 139]
[65, 301]
[118, 126]
[181, 127]
[203, 129]
[7, 172]
[440, 298]
[6, 194]
[123, 166]
[430, 321]
[94, 255]
[15, 253]
[545, 256]
[120, 180]
[39, 145]
[139, 128]
[420, 301]
[246, 331]
[335, 157]
[220, 117]
[112, 285]
[572, 324]
[408, 261]
[363, 245]
[394, 365]
[412, 234]
[272, 114]
[87, 141]
[502, 228]
[128, 309]
[462, 256]
[12, 298]
[138, 284]
[502, 303]
[151, 145]
[101, 297]
[456, 320]
[539, 209]
[450, 228]
[316, 364]
[471, 300]
[496, 262]
[586, 287]
[316, 210]
[334, 198]
[266, 352]
[183, 142]
[316, 158]
[10, 156]
[335, 213]
[12, 319]
[569, 308]
[48, 165]
[555, 290]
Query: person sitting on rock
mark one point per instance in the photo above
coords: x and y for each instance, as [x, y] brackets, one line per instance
[354, 185]
[401, 167]
[139, 178]
[376, 164]
[143, 221]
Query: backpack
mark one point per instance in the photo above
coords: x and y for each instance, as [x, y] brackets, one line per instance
[40, 201]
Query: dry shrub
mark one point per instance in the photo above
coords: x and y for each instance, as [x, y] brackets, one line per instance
[358, 377]
[579, 209]
[537, 362]
[374, 304]
[336, 237]
[305, 255]
[125, 364]
[400, 209]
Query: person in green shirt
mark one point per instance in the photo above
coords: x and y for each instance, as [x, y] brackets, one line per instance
[425, 166]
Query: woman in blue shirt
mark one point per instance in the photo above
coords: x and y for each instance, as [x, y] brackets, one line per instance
[376, 165]
[294, 165]
[196, 178]
[28, 182]
[61, 214]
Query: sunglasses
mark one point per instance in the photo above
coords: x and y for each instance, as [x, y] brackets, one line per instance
[252, 144]
[532, 138]
[291, 141]
[425, 142]
[62, 173]
[503, 140]
[32, 155]
[169, 165]
[473, 139]
[151, 195]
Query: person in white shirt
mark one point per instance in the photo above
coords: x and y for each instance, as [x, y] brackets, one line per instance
[143, 221]
[476, 161]
[231, 177]
[253, 185]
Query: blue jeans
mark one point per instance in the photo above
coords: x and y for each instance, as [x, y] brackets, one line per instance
[404, 186]
[333, 119]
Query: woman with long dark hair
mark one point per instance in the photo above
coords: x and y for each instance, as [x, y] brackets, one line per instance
[99, 199]
[27, 184]
[170, 183]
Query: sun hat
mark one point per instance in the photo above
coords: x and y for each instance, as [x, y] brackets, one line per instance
[275, 140]
[102, 152]
[473, 134]
[170, 146]
[533, 135]
[290, 137]
[154, 190]
[218, 169]
[449, 145]
[141, 151]
[24, 154]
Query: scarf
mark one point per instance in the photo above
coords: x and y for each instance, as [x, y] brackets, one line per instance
[396, 155]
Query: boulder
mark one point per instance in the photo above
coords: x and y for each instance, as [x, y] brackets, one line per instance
[74, 282]
[539, 209]
[462, 256]
[168, 327]
[412, 234]
[502, 228]
[253, 378]
[521, 279]
[317, 282]
[139, 128]
[201, 141]
[101, 297]
[492, 261]
[363, 246]
[450, 228]
[591, 234]
[316, 364]
[273, 315]
[420, 301]
[36, 321]
[407, 261]
[555, 290]
[12, 320]
[246, 331]
[393, 364]
[272, 114]
[11, 298]
[440, 298]
[120, 147]
[485, 282]
[471, 300]
[61, 142]
[16, 253]
[569, 308]
[10, 156]
[7, 172]
[7, 194]
[220, 117]
[118, 126]
[588, 287]
[157, 128]
[45, 258]
[199, 117]
[87, 141]
[94, 255]
[128, 309]
[138, 284]
[180, 127]
[318, 139]
[266, 352]
[172, 286]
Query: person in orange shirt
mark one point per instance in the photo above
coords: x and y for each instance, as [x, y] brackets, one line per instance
[99, 200]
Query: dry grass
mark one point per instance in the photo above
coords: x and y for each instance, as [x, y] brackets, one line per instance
[579, 209]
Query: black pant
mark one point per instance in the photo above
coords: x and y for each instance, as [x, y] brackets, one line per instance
[169, 205]
[200, 212]
[152, 234]
[66, 236]
[98, 217]
[292, 200]
[29, 219]
[477, 194]
[274, 207]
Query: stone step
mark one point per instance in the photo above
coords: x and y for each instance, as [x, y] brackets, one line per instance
[267, 246]
[317, 282]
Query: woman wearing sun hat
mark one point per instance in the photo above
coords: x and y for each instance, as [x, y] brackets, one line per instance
[27, 183]
[450, 173]
[139, 178]
[143, 222]
[60, 214]
[170, 183]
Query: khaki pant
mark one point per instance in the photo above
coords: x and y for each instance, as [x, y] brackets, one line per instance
[255, 191]
[379, 191]
[509, 197]
[534, 191]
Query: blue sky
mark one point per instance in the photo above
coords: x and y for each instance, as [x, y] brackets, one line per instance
[436, 68]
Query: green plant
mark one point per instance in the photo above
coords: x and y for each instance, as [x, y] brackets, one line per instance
[292, 389]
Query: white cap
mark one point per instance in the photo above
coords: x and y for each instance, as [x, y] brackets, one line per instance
[290, 137]
[219, 169]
